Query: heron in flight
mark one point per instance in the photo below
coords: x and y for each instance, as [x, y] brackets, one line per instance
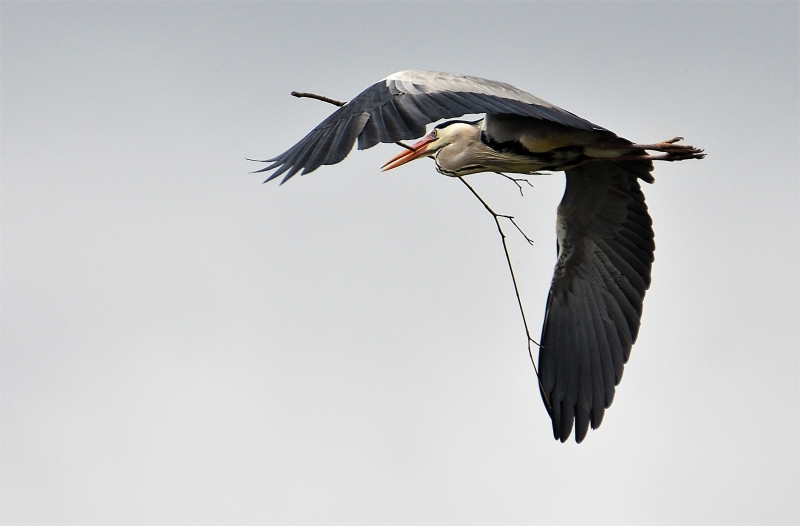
[605, 237]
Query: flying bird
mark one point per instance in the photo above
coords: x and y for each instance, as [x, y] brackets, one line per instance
[605, 237]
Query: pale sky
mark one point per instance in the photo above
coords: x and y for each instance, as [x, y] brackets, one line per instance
[182, 344]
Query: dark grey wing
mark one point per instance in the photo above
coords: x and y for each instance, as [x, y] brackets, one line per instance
[399, 107]
[606, 251]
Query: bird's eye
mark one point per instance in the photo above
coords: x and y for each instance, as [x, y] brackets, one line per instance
[434, 134]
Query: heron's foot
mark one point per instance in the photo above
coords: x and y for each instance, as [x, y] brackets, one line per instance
[672, 150]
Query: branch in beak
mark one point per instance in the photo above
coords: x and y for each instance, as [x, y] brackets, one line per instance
[419, 149]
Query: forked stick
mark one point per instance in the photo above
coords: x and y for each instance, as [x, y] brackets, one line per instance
[496, 217]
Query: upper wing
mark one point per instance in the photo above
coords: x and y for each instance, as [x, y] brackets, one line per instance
[399, 107]
[606, 251]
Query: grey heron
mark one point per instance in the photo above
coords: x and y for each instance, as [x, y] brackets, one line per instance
[605, 238]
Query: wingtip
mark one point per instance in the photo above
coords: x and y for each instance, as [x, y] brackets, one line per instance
[270, 178]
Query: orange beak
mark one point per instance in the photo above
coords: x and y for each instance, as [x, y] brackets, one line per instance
[419, 149]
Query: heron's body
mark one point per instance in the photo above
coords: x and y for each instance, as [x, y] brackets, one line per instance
[490, 145]
[605, 237]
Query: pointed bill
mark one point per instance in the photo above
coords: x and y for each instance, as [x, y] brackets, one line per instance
[419, 149]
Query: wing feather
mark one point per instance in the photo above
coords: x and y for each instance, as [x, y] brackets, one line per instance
[604, 387]
[594, 307]
[342, 144]
[586, 387]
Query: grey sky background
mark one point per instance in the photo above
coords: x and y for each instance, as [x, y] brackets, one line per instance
[182, 344]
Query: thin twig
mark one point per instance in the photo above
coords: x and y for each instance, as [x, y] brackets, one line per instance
[497, 217]
[404, 145]
[511, 218]
[516, 181]
[305, 95]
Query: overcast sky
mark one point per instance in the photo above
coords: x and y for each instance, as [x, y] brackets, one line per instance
[182, 344]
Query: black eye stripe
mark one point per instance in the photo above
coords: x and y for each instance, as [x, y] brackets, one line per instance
[448, 123]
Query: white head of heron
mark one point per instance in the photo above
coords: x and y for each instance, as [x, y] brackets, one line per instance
[452, 138]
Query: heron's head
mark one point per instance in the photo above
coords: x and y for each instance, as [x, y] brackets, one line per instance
[445, 134]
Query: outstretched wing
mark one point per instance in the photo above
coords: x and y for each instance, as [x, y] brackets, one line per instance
[606, 250]
[399, 107]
